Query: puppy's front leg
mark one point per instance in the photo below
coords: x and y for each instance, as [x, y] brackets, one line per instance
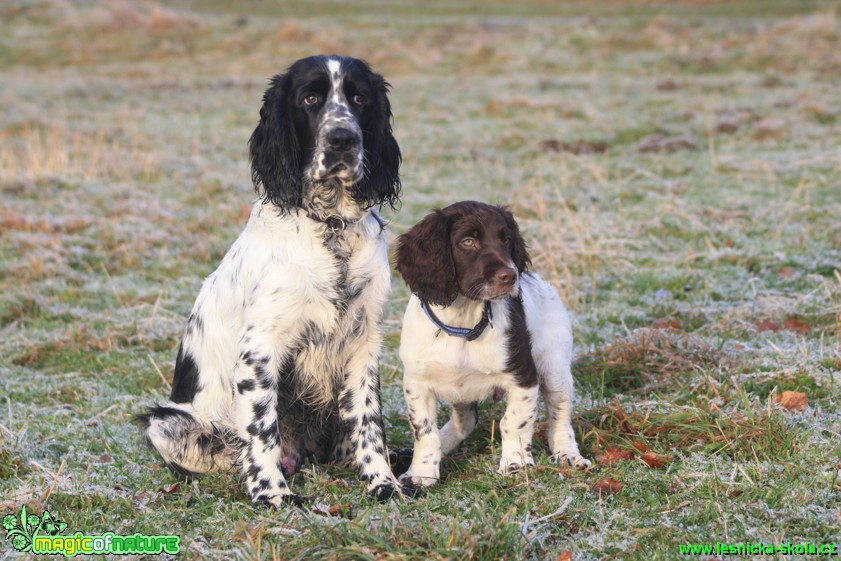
[557, 394]
[426, 462]
[517, 428]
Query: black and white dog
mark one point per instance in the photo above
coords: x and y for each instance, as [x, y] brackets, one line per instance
[477, 322]
[279, 359]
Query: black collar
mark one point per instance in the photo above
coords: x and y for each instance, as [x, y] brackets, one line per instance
[469, 334]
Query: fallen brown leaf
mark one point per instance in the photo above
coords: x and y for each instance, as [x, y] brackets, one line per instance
[566, 555]
[788, 273]
[653, 460]
[170, 489]
[641, 446]
[767, 325]
[668, 324]
[613, 455]
[325, 510]
[792, 401]
[794, 324]
[608, 486]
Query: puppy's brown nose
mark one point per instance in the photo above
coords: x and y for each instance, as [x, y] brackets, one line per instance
[506, 276]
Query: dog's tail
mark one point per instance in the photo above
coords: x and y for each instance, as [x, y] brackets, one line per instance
[190, 446]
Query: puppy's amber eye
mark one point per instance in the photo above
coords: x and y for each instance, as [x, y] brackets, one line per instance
[468, 243]
[311, 100]
[507, 240]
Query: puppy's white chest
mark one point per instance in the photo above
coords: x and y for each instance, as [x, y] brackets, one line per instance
[455, 369]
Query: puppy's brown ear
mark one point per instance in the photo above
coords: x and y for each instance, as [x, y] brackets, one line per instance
[519, 251]
[425, 260]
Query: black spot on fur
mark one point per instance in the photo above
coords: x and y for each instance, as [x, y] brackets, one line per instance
[259, 408]
[422, 429]
[246, 386]
[346, 400]
[185, 381]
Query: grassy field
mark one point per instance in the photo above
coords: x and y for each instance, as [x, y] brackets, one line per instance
[675, 167]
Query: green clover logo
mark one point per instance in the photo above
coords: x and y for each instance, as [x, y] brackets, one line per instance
[50, 525]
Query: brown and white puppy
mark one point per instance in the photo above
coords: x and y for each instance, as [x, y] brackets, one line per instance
[478, 321]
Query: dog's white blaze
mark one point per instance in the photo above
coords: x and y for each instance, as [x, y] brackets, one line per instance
[334, 66]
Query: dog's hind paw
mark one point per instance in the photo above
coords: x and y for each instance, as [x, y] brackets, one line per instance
[400, 460]
[410, 490]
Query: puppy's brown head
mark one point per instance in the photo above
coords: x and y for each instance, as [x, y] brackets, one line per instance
[467, 248]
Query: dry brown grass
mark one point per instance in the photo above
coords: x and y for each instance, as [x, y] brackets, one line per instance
[649, 359]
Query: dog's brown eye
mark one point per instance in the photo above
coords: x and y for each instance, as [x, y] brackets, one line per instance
[506, 240]
[468, 243]
[359, 99]
[311, 100]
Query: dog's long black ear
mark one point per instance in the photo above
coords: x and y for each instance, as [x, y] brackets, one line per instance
[519, 251]
[276, 168]
[381, 183]
[425, 260]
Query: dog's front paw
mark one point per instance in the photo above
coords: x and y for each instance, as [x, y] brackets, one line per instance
[383, 491]
[419, 481]
[276, 501]
[574, 459]
[513, 463]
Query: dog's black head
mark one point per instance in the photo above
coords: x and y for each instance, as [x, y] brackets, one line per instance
[468, 248]
[325, 136]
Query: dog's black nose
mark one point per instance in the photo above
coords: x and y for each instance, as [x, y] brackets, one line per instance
[342, 140]
[506, 276]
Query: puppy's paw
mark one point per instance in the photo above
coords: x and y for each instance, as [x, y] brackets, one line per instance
[574, 459]
[513, 464]
[418, 481]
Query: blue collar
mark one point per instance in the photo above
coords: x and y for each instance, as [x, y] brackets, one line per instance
[469, 334]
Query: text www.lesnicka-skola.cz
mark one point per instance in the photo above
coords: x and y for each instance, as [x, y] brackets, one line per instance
[759, 548]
